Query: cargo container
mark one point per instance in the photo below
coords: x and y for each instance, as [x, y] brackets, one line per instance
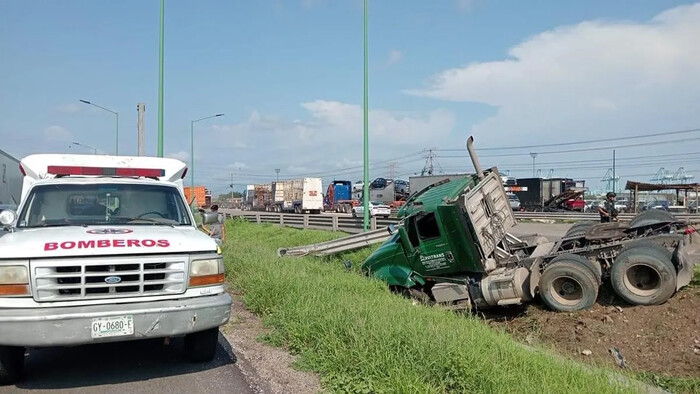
[535, 193]
[257, 197]
[338, 197]
[11, 181]
[202, 196]
[303, 195]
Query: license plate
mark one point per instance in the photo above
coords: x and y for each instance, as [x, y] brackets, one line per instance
[115, 326]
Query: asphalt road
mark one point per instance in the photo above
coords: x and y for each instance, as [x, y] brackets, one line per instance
[130, 367]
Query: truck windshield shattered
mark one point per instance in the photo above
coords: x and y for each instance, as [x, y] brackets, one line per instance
[103, 204]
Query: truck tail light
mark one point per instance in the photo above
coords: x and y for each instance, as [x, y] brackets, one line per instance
[690, 230]
[106, 171]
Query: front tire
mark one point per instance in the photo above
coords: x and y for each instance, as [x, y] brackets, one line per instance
[201, 346]
[568, 286]
[11, 364]
[644, 275]
[354, 213]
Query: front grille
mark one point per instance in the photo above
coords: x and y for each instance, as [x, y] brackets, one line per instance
[89, 278]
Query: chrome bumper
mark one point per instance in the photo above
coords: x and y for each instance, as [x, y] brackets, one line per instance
[61, 326]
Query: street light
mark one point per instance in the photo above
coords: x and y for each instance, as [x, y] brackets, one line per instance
[94, 150]
[116, 149]
[192, 148]
[533, 155]
[277, 170]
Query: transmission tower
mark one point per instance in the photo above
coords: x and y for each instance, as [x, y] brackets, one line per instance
[550, 174]
[392, 169]
[430, 162]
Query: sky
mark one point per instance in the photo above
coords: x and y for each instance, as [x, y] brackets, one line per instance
[288, 77]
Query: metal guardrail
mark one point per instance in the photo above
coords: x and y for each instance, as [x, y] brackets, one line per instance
[351, 242]
[355, 225]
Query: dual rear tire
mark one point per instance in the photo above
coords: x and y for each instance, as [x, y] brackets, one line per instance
[570, 283]
[644, 275]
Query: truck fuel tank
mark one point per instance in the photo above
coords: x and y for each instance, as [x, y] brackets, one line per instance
[503, 286]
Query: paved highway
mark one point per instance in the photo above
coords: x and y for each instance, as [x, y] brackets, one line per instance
[130, 367]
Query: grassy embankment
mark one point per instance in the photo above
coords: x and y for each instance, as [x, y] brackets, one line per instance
[361, 338]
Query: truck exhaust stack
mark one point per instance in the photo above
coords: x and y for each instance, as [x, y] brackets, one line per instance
[475, 159]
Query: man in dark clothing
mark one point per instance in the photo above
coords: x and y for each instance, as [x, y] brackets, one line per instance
[607, 210]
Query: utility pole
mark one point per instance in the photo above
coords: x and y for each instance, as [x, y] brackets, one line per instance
[141, 110]
[277, 171]
[231, 190]
[614, 179]
[365, 123]
[533, 155]
[161, 47]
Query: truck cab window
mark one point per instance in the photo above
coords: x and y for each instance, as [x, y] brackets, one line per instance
[412, 233]
[428, 227]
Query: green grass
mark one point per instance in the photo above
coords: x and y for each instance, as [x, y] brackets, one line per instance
[361, 338]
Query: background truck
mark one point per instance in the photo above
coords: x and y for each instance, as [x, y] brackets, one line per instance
[539, 194]
[385, 191]
[338, 197]
[454, 247]
[256, 197]
[10, 181]
[105, 249]
[303, 195]
[201, 195]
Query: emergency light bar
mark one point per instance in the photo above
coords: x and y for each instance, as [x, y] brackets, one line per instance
[106, 171]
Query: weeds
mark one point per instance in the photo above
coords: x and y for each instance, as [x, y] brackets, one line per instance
[361, 338]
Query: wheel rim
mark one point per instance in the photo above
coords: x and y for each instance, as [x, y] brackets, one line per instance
[642, 280]
[566, 290]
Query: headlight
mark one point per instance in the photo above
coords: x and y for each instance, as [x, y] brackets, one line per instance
[14, 280]
[207, 272]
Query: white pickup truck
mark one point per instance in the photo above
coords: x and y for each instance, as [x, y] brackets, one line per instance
[105, 249]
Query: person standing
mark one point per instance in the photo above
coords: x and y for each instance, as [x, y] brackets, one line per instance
[216, 230]
[607, 211]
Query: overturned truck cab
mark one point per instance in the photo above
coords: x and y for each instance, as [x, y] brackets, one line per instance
[454, 246]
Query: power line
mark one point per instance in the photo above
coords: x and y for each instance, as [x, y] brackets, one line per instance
[587, 141]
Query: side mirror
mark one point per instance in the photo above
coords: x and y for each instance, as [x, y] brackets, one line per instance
[7, 217]
[210, 217]
[390, 228]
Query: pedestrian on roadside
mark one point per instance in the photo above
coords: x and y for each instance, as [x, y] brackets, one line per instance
[607, 210]
[217, 230]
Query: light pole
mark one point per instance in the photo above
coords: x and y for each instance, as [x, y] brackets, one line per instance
[277, 170]
[116, 147]
[94, 150]
[365, 187]
[533, 155]
[192, 148]
[161, 47]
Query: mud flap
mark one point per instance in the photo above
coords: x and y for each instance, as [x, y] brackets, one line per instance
[535, 276]
[684, 264]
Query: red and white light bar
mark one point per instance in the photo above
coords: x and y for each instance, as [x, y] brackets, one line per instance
[106, 171]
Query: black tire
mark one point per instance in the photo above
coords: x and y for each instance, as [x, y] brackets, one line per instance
[354, 214]
[644, 275]
[11, 364]
[579, 228]
[594, 267]
[651, 217]
[201, 346]
[568, 286]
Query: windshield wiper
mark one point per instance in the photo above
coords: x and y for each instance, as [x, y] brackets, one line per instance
[165, 222]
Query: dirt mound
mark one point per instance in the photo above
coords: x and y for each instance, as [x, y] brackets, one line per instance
[663, 339]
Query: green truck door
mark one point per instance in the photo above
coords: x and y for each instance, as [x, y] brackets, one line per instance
[431, 253]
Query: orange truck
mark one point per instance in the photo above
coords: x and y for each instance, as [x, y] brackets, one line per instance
[202, 196]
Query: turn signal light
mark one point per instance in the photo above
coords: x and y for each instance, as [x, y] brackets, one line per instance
[207, 280]
[690, 230]
[14, 290]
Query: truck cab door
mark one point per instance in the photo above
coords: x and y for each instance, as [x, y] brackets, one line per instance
[431, 253]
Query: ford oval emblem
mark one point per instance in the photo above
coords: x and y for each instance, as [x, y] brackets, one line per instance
[113, 280]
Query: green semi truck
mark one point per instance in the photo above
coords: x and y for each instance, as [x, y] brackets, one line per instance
[454, 246]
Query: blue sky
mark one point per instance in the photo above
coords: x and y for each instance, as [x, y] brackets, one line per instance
[288, 76]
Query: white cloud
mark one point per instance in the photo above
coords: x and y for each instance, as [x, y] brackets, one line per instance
[394, 56]
[57, 134]
[328, 140]
[180, 155]
[595, 78]
[70, 108]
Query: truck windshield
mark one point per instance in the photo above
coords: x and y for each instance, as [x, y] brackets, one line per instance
[103, 204]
